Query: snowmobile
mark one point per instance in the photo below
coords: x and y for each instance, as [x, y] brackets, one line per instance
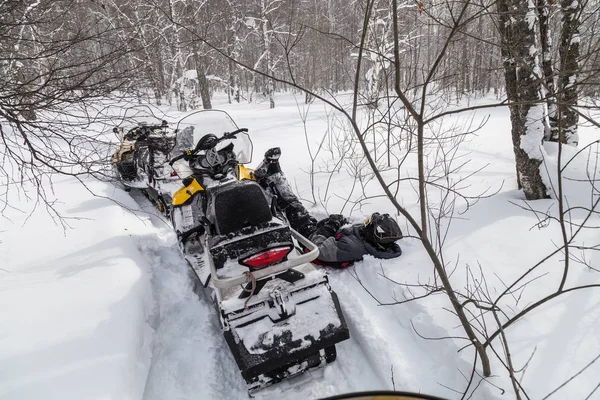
[278, 313]
[141, 162]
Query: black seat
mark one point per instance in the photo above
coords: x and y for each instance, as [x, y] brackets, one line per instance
[237, 205]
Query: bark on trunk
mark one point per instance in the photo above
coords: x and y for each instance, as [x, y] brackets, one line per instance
[202, 81]
[546, 44]
[229, 81]
[236, 87]
[569, 61]
[522, 73]
[267, 35]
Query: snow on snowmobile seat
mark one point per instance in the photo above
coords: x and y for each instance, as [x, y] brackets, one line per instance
[237, 205]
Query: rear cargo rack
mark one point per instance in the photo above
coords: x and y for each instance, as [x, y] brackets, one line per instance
[226, 283]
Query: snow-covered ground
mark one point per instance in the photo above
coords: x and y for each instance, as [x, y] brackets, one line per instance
[105, 308]
[74, 303]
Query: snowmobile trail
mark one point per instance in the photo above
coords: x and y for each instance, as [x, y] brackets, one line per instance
[188, 360]
[190, 356]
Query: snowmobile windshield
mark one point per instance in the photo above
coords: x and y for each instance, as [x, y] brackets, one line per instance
[195, 126]
[131, 118]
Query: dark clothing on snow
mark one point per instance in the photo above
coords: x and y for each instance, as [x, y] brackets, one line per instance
[348, 245]
[337, 247]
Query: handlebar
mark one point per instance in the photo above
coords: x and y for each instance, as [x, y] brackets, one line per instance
[231, 135]
[191, 153]
[179, 157]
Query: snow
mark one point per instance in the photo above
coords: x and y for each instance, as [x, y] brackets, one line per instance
[534, 132]
[192, 74]
[74, 302]
[310, 318]
[531, 16]
[106, 308]
[572, 81]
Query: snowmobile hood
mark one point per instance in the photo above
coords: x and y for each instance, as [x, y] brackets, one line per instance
[185, 193]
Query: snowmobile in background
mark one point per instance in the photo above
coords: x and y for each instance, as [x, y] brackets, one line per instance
[141, 162]
[278, 313]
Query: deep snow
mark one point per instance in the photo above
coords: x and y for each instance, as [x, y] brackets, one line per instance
[74, 303]
[82, 310]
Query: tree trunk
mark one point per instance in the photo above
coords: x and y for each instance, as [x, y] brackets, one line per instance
[266, 57]
[271, 93]
[229, 80]
[182, 104]
[522, 73]
[200, 62]
[546, 44]
[236, 87]
[569, 61]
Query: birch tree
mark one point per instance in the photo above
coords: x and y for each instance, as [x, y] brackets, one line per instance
[264, 25]
[232, 23]
[520, 52]
[569, 72]
[379, 52]
[544, 8]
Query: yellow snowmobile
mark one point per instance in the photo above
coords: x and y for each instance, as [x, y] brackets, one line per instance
[278, 313]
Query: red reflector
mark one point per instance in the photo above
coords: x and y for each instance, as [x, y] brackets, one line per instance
[267, 257]
[173, 173]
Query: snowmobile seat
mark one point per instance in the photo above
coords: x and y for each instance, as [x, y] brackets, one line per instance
[237, 205]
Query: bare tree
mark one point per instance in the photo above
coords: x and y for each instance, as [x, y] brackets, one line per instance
[407, 67]
[57, 59]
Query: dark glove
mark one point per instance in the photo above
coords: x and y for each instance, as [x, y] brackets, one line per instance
[330, 225]
[269, 166]
[272, 155]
